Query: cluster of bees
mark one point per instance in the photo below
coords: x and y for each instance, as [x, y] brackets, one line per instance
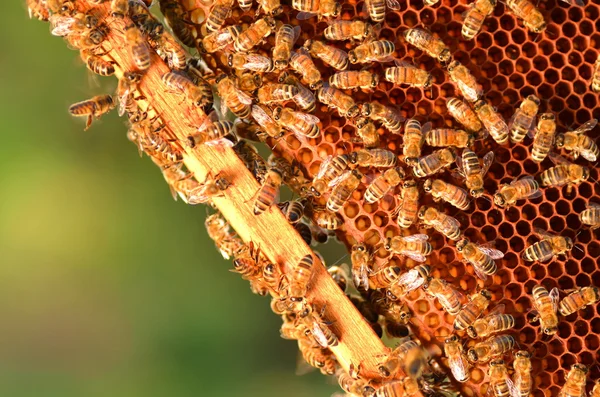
[274, 93]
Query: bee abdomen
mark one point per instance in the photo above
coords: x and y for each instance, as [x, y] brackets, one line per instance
[540, 251]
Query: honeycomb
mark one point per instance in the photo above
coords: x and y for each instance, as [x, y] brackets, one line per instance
[509, 63]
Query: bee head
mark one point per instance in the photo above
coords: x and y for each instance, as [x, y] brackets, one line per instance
[230, 60]
[472, 355]
[421, 213]
[427, 185]
[353, 112]
[560, 140]
[471, 332]
[388, 244]
[277, 113]
[486, 294]
[360, 247]
[476, 192]
[366, 109]
[337, 10]
[411, 160]
[360, 122]
[568, 243]
[374, 80]
[383, 371]
[391, 296]
[277, 11]
[499, 200]
[408, 184]
[540, 28]
[281, 64]
[352, 56]
[452, 338]
[316, 85]
[537, 101]
[425, 285]
[271, 22]
[585, 173]
[461, 244]
[580, 367]
[523, 353]
[315, 192]
[550, 330]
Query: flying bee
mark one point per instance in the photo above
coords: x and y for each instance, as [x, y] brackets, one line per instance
[463, 114]
[457, 361]
[254, 62]
[546, 304]
[578, 143]
[319, 328]
[212, 133]
[492, 121]
[219, 39]
[500, 383]
[299, 279]
[441, 222]
[434, 162]
[522, 121]
[354, 79]
[564, 173]
[267, 194]
[274, 92]
[472, 171]
[266, 122]
[377, 8]
[494, 322]
[372, 51]
[219, 12]
[305, 98]
[481, 258]
[523, 188]
[578, 299]
[416, 247]
[366, 132]
[379, 158]
[302, 63]
[414, 137]
[452, 194]
[445, 137]
[96, 64]
[93, 107]
[531, 16]
[472, 310]
[138, 47]
[448, 297]
[523, 381]
[474, 17]
[383, 184]
[331, 168]
[549, 247]
[408, 281]
[323, 8]
[591, 215]
[332, 56]
[596, 80]
[544, 137]
[254, 35]
[292, 210]
[408, 355]
[348, 30]
[327, 219]
[299, 123]
[466, 82]
[409, 204]
[178, 82]
[38, 9]
[343, 189]
[387, 115]
[426, 42]
[233, 98]
[285, 37]
[334, 98]
[492, 347]
[575, 382]
[407, 74]
[361, 266]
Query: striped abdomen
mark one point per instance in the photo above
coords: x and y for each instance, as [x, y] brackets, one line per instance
[472, 23]
[217, 16]
[540, 251]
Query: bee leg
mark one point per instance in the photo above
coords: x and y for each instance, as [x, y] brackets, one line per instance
[88, 123]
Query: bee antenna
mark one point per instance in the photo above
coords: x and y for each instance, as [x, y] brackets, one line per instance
[339, 260]
[576, 246]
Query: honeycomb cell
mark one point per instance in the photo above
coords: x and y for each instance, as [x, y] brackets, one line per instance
[534, 78]
[555, 269]
[565, 283]
[557, 224]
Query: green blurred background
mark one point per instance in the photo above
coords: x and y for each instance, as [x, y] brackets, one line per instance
[107, 286]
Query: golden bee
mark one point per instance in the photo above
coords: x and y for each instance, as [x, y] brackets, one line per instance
[138, 47]
[472, 171]
[175, 16]
[126, 88]
[426, 42]
[387, 115]
[372, 51]
[332, 56]
[302, 63]
[408, 355]
[522, 121]
[575, 382]
[267, 194]
[492, 121]
[409, 204]
[247, 262]
[311, 8]
[97, 64]
[457, 361]
[119, 8]
[61, 7]
[379, 158]
[416, 246]
[519, 189]
[305, 232]
[529, 13]
[254, 35]
[219, 39]
[500, 383]
[549, 247]
[406, 74]
[466, 82]
[441, 222]
[340, 275]
[434, 162]
[492, 347]
[266, 122]
[336, 99]
[492, 323]
[247, 81]
[254, 62]
[544, 137]
[354, 79]
[305, 98]
[385, 277]
[269, 7]
[348, 30]
[406, 387]
[172, 52]
[327, 219]
[578, 299]
[319, 328]
[591, 215]
[452, 194]
[178, 82]
[38, 9]
[377, 8]
[275, 92]
[211, 134]
[481, 258]
[546, 305]
[596, 390]
[343, 189]
[299, 278]
[472, 310]
[285, 37]
[449, 298]
[331, 168]
[463, 114]
[354, 386]
[523, 381]
[474, 17]
[292, 210]
[366, 132]
[596, 76]
[301, 124]
[220, 232]
[233, 98]
[445, 137]
[578, 143]
[383, 184]
[219, 12]
[414, 137]
[93, 107]
[408, 281]
[564, 173]
[361, 266]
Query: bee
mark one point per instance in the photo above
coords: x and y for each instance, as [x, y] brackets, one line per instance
[285, 37]
[247, 262]
[299, 123]
[274, 92]
[444, 137]
[379, 158]
[61, 7]
[523, 188]
[305, 232]
[387, 115]
[303, 64]
[178, 82]
[523, 381]
[596, 77]
[426, 42]
[327, 219]
[591, 215]
[492, 347]
[292, 210]
[575, 382]
[452, 194]
[466, 82]
[377, 8]
[549, 247]
[126, 88]
[361, 266]
[254, 35]
[219, 12]
[219, 39]
[405, 73]
[472, 310]
[343, 189]
[414, 136]
[319, 328]
[174, 53]
[38, 9]
[334, 98]
[384, 277]
[492, 121]
[354, 386]
[490, 324]
[372, 51]
[564, 173]
[531, 16]
[408, 355]
[457, 361]
[119, 8]
[269, 7]
[299, 279]
[482, 258]
[316, 357]
[500, 383]
[367, 132]
[138, 47]
[448, 297]
[182, 184]
[248, 81]
[408, 281]
[331, 168]
[148, 24]
[266, 122]
[463, 114]
[93, 107]
[523, 119]
[546, 304]
[416, 247]
[339, 274]
[405, 387]
[409, 205]
[305, 98]
[254, 62]
[544, 137]
[596, 390]
[383, 184]
[323, 8]
[332, 56]
[434, 162]
[578, 143]
[578, 299]
[472, 171]
[267, 194]
[233, 98]
[214, 132]
[474, 17]
[219, 231]
[96, 64]
[354, 79]
[348, 30]
[273, 277]
[441, 222]
[175, 16]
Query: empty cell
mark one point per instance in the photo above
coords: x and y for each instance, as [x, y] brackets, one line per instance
[566, 282]
[531, 167]
[580, 43]
[410, 18]
[478, 219]
[592, 342]
[572, 267]
[567, 360]
[557, 60]
[512, 51]
[556, 348]
[546, 91]
[513, 169]
[566, 117]
[500, 83]
[538, 271]
[585, 72]
[523, 65]
[582, 280]
[579, 87]
[586, 358]
[563, 90]
[581, 328]
[568, 73]
[495, 54]
[512, 291]
[540, 63]
[478, 56]
[489, 232]
[489, 69]
[520, 274]
[578, 251]
[593, 249]
[546, 210]
[392, 19]
[540, 223]
[483, 203]
[564, 331]
[533, 78]
[589, 100]
[494, 217]
[569, 29]
[510, 259]
[501, 38]
[555, 269]
[506, 230]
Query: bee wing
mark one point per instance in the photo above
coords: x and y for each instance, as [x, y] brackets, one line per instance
[532, 131]
[558, 159]
[513, 118]
[309, 118]
[337, 180]
[479, 272]
[302, 367]
[541, 233]
[416, 237]
[243, 97]
[254, 61]
[593, 205]
[319, 335]
[393, 4]
[512, 388]
[468, 92]
[221, 142]
[488, 159]
[425, 128]
[492, 252]
[301, 16]
[459, 370]
[261, 117]
[415, 256]
[579, 3]
[61, 26]
[198, 196]
[588, 154]
[498, 309]
[554, 297]
[122, 102]
[587, 126]
[466, 13]
[460, 171]
[324, 166]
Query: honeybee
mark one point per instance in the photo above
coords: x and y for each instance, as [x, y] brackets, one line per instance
[383, 184]
[472, 171]
[327, 219]
[199, 96]
[61, 7]
[575, 382]
[591, 215]
[254, 35]
[361, 266]
[472, 310]
[267, 194]
[273, 278]
[348, 30]
[119, 8]
[285, 37]
[379, 158]
[311, 8]
[409, 204]
[372, 51]
[405, 387]
[578, 299]
[149, 25]
[482, 258]
[414, 137]
[170, 50]
[416, 247]
[523, 188]
[96, 64]
[339, 274]
[387, 115]
[564, 173]
[407, 354]
[219, 12]
[377, 8]
[531, 16]
[336, 99]
[299, 123]
[355, 387]
[523, 119]
[457, 361]
[490, 324]
[331, 168]
[332, 56]
[445, 137]
[254, 62]
[303, 64]
[248, 81]
[269, 7]
[212, 133]
[354, 79]
[448, 297]
[452, 194]
[466, 82]
[319, 328]
[441, 222]
[544, 137]
[500, 383]
[93, 107]
[247, 262]
[546, 304]
[343, 189]
[138, 47]
[305, 98]
[274, 92]
[305, 232]
[434, 162]
[219, 231]
[385, 277]
[474, 17]
[408, 281]
[231, 97]
[128, 84]
[292, 210]
[522, 377]
[492, 347]
[550, 246]
[266, 122]
[299, 279]
[596, 77]
[38, 9]
[492, 121]
[596, 390]
[578, 143]
[405, 73]
[219, 39]
[426, 42]
[366, 132]
[175, 16]
[463, 114]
